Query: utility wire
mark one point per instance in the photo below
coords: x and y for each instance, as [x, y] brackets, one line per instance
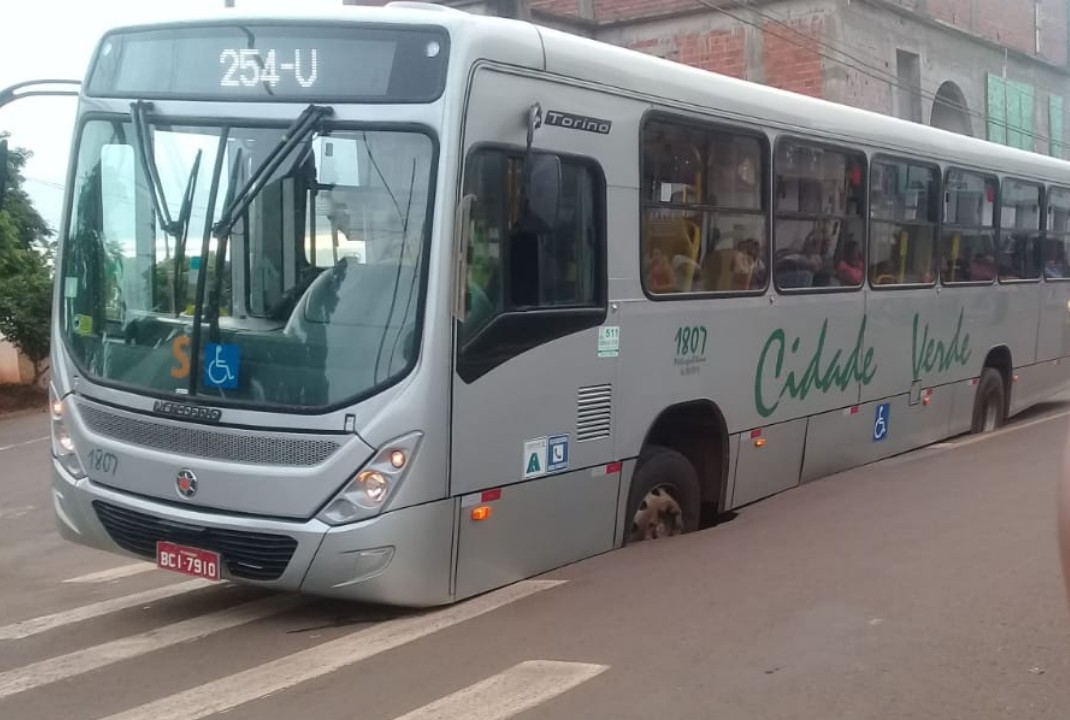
[862, 66]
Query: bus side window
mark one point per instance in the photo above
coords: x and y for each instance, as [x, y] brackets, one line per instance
[1020, 216]
[510, 269]
[904, 214]
[968, 243]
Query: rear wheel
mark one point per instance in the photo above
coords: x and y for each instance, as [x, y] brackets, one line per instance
[665, 499]
[989, 405]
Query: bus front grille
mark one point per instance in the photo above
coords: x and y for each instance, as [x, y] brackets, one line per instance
[246, 555]
[186, 439]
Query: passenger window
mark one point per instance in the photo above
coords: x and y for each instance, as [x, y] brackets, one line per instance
[510, 269]
[704, 224]
[968, 253]
[1019, 242]
[903, 219]
[819, 217]
[1057, 239]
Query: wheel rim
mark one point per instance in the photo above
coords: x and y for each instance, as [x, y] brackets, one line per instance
[991, 415]
[659, 515]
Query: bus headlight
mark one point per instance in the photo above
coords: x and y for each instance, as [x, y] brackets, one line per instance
[368, 490]
[62, 444]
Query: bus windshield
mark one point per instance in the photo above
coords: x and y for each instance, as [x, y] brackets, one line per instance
[312, 297]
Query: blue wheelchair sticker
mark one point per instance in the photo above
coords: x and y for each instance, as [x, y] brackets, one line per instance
[880, 422]
[557, 454]
[221, 366]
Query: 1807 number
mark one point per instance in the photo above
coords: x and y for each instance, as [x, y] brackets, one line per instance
[691, 340]
[102, 462]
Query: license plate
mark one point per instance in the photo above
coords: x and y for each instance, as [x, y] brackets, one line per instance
[187, 560]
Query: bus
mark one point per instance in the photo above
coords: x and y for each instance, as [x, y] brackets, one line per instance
[400, 305]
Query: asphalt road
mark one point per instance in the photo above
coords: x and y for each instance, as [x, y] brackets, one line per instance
[926, 586]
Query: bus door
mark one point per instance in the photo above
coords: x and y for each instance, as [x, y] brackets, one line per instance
[535, 351]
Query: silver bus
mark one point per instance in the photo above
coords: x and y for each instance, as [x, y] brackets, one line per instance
[404, 304]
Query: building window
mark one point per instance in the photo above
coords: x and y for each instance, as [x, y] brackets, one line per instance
[705, 213]
[1010, 113]
[908, 90]
[820, 224]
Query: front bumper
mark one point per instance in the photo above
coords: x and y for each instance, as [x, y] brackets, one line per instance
[400, 558]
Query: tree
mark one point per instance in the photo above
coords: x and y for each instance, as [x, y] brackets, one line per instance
[25, 275]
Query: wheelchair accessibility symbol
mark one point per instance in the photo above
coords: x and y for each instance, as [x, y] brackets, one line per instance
[880, 422]
[221, 365]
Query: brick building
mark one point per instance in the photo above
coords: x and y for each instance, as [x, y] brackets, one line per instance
[996, 69]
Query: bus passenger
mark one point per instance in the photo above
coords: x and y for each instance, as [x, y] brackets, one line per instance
[849, 270]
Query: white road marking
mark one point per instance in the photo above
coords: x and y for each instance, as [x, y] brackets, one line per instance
[23, 444]
[93, 658]
[509, 693]
[34, 626]
[230, 692]
[115, 573]
[14, 513]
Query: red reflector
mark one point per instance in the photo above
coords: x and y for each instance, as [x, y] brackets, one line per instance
[756, 433]
[854, 409]
[929, 391]
[491, 495]
[614, 467]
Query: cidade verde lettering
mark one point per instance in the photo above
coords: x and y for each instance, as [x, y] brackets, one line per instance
[931, 353]
[781, 372]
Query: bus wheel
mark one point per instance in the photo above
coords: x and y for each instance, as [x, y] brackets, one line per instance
[665, 497]
[988, 405]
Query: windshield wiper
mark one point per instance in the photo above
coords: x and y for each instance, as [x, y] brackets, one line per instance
[235, 204]
[206, 243]
[305, 124]
[179, 228]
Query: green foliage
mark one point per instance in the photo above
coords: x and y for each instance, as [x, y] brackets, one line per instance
[25, 273]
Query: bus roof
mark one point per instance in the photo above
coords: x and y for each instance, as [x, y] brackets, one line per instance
[669, 83]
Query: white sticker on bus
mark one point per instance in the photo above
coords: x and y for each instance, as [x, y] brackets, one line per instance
[534, 458]
[609, 341]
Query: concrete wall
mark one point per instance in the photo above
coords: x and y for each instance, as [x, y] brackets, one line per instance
[848, 51]
[14, 369]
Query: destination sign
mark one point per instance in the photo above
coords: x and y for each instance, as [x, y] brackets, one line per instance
[273, 62]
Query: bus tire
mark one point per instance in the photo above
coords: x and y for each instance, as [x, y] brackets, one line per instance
[989, 409]
[665, 498]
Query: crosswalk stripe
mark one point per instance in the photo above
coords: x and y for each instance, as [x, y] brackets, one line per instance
[94, 658]
[509, 693]
[115, 573]
[34, 626]
[230, 692]
[23, 443]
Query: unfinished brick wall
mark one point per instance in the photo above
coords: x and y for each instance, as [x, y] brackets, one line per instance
[720, 51]
[1011, 23]
[792, 60]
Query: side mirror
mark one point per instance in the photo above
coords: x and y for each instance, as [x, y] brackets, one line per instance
[541, 193]
[3, 171]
